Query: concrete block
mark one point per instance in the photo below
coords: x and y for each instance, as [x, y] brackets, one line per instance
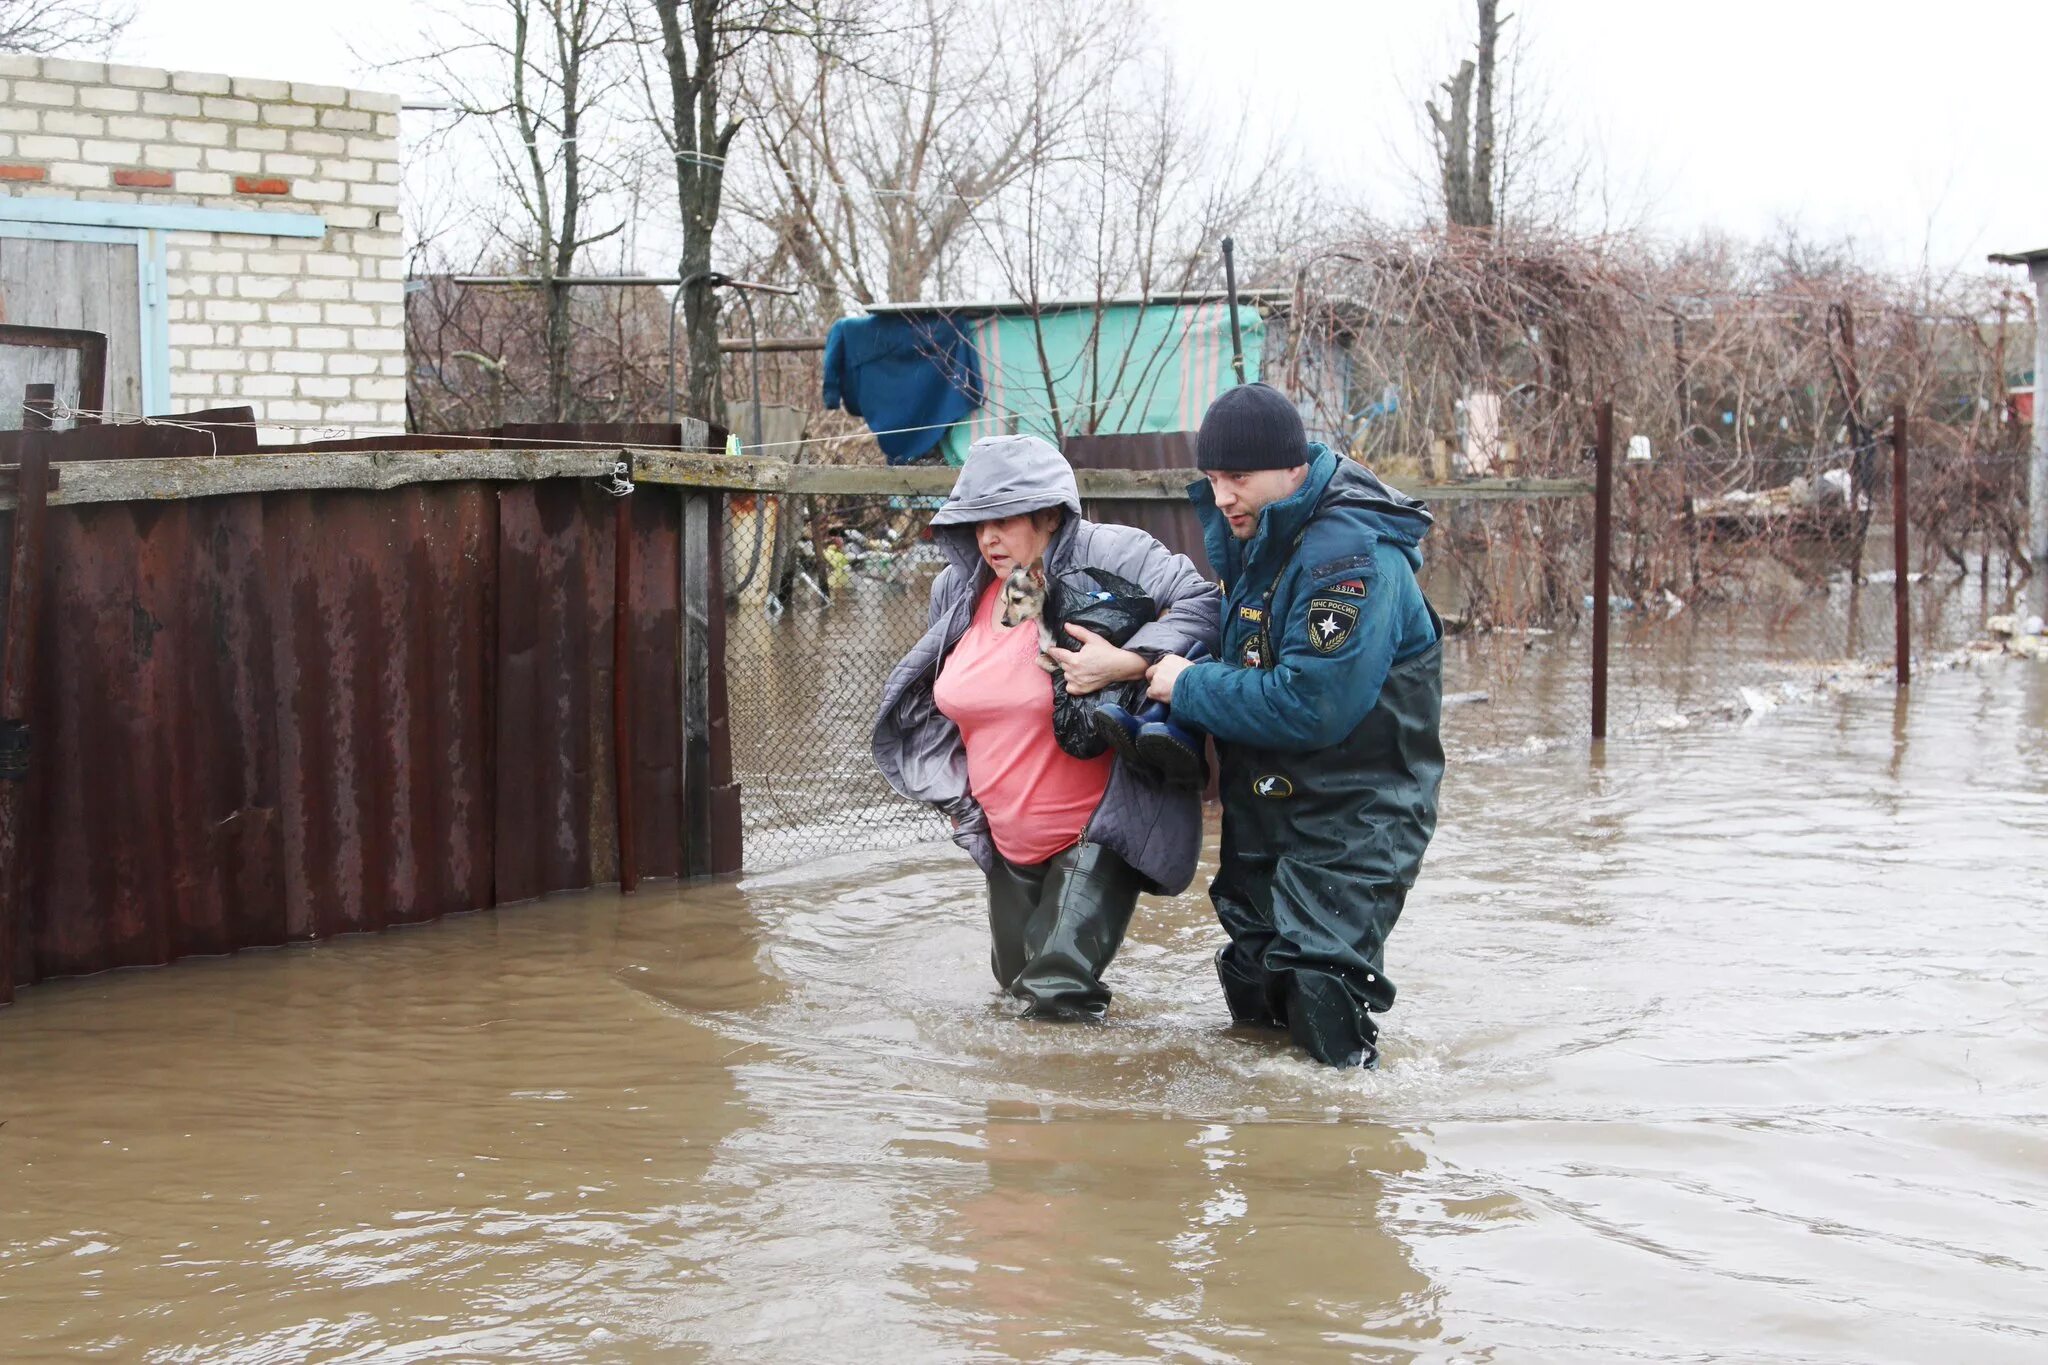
[80, 176]
[321, 386]
[58, 96]
[138, 77]
[45, 148]
[290, 115]
[14, 120]
[231, 310]
[289, 164]
[224, 159]
[319, 338]
[171, 158]
[109, 99]
[301, 362]
[200, 83]
[265, 286]
[219, 361]
[347, 120]
[231, 110]
[347, 362]
[341, 168]
[203, 182]
[268, 335]
[378, 339]
[176, 106]
[141, 129]
[193, 133]
[313, 143]
[319, 191]
[112, 153]
[350, 315]
[267, 385]
[190, 334]
[260, 139]
[78, 73]
[294, 313]
[73, 124]
[375, 101]
[248, 89]
[20, 64]
[318, 94]
[374, 196]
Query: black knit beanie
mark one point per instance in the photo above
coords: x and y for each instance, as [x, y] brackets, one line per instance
[1252, 426]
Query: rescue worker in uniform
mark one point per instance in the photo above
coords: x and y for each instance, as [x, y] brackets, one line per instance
[1324, 701]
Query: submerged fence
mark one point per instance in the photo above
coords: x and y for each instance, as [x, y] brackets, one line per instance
[249, 698]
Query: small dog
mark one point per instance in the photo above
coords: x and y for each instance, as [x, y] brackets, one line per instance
[1023, 599]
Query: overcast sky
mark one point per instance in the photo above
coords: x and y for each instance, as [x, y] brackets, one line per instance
[1915, 127]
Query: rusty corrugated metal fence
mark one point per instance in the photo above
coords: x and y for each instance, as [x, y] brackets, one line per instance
[268, 716]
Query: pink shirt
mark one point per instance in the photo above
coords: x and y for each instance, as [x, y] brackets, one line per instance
[1038, 799]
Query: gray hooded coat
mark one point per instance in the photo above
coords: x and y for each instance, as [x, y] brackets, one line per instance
[1156, 830]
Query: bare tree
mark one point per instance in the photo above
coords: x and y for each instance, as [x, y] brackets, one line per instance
[697, 112]
[1464, 130]
[540, 83]
[878, 154]
[43, 27]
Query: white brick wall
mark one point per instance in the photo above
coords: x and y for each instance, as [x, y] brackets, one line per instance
[303, 330]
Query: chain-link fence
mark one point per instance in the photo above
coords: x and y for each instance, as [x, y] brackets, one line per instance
[827, 593]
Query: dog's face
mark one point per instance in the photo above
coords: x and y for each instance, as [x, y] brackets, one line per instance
[1023, 596]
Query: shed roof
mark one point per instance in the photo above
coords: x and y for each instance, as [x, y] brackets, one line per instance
[2034, 257]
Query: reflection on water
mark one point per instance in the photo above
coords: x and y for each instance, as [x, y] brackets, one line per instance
[1720, 1045]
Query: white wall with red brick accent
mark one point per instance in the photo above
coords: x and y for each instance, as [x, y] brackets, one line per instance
[304, 330]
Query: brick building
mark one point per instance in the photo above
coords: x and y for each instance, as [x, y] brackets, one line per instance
[237, 240]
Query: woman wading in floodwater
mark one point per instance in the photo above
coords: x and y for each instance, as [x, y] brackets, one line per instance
[966, 725]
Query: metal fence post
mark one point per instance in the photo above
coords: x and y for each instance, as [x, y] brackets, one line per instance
[17, 671]
[622, 686]
[1603, 553]
[1902, 606]
[696, 678]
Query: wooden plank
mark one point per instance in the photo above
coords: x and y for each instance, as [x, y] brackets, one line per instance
[95, 481]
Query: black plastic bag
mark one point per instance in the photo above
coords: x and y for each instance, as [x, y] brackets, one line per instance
[1113, 608]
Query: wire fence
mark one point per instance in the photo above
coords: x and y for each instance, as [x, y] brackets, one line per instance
[826, 594]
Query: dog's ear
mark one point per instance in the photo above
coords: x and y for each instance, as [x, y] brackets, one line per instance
[1038, 572]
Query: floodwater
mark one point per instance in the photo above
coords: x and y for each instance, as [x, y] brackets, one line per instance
[1732, 1044]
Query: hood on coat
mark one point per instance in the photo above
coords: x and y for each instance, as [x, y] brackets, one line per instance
[1004, 476]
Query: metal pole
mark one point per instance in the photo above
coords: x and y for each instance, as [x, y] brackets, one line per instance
[2037, 479]
[38, 407]
[1230, 288]
[622, 685]
[1901, 604]
[1603, 552]
[17, 674]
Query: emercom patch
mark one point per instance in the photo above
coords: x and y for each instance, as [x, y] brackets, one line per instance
[1330, 623]
[1273, 787]
[1349, 587]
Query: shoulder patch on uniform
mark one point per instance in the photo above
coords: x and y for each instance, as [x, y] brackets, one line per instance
[1341, 566]
[1253, 653]
[1330, 623]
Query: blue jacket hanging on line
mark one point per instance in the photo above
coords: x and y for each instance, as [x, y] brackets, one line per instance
[910, 378]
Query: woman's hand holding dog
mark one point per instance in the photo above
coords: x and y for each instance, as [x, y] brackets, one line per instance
[1096, 664]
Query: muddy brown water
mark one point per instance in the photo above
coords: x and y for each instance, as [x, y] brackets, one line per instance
[1732, 1045]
